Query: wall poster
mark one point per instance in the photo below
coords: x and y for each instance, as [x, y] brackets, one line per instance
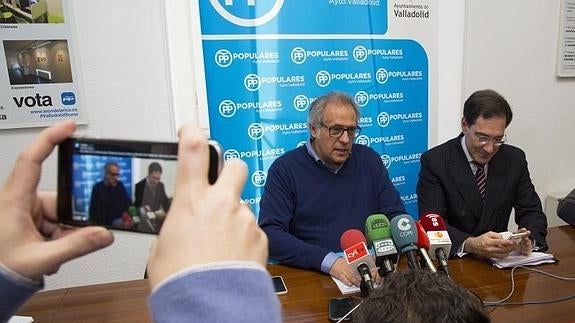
[265, 62]
[566, 48]
[40, 70]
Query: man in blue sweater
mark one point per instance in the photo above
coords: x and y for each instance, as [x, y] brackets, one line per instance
[319, 190]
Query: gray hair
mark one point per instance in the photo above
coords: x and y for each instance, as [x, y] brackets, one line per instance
[317, 109]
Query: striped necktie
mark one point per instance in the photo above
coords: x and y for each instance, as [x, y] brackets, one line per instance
[480, 179]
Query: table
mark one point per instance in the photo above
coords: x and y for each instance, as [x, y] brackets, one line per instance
[308, 292]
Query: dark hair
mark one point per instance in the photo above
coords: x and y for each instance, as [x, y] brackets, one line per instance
[418, 296]
[488, 104]
[109, 164]
[316, 111]
[154, 167]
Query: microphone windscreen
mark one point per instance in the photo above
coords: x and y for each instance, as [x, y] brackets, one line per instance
[350, 238]
[422, 239]
[377, 227]
[404, 232]
[432, 222]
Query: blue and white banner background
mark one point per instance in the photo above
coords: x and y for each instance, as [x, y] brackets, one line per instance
[266, 61]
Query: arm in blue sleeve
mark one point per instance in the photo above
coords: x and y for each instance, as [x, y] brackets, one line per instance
[14, 291]
[224, 292]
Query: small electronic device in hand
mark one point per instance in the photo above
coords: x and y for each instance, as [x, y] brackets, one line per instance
[120, 184]
[279, 285]
[339, 307]
[518, 235]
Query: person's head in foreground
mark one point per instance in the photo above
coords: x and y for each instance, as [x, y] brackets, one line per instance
[418, 296]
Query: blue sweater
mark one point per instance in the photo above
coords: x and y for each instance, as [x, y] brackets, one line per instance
[306, 207]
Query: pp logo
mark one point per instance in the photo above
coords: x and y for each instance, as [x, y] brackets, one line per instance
[386, 161]
[322, 78]
[301, 143]
[301, 102]
[223, 58]
[231, 154]
[256, 131]
[68, 98]
[298, 55]
[252, 82]
[259, 178]
[381, 76]
[227, 108]
[361, 98]
[360, 53]
[362, 140]
[403, 224]
[383, 119]
[248, 6]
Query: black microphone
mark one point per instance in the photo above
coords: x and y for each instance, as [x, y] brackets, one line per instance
[404, 234]
[439, 241]
[379, 236]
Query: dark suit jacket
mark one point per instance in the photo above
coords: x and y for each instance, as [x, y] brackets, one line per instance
[446, 185]
[161, 198]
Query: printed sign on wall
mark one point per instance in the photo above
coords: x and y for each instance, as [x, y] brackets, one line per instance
[40, 82]
[274, 68]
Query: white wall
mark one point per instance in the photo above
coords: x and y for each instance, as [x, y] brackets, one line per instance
[127, 94]
[511, 47]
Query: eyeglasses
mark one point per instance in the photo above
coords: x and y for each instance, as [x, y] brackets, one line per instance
[483, 140]
[337, 131]
[114, 174]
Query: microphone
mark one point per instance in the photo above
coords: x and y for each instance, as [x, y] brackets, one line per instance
[379, 236]
[357, 256]
[423, 244]
[404, 234]
[439, 241]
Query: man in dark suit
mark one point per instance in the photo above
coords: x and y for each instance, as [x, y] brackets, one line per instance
[474, 180]
[150, 191]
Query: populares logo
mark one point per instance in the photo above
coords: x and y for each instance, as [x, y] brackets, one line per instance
[259, 178]
[256, 131]
[223, 58]
[323, 78]
[247, 13]
[298, 55]
[361, 98]
[68, 98]
[301, 102]
[253, 82]
[227, 108]
[386, 161]
[360, 53]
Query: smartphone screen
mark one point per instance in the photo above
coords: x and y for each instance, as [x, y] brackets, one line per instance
[279, 285]
[120, 184]
[339, 307]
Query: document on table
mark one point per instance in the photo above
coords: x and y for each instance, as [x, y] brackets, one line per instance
[517, 259]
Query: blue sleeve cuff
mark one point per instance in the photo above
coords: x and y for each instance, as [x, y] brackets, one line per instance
[15, 290]
[328, 261]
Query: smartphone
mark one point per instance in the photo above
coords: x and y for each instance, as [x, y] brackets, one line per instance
[120, 184]
[517, 235]
[279, 285]
[339, 307]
